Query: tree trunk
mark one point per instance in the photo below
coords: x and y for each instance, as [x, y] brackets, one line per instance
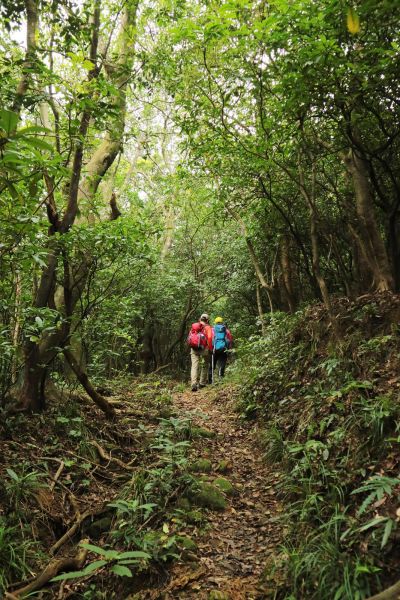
[316, 260]
[312, 211]
[32, 18]
[16, 326]
[369, 236]
[393, 236]
[260, 308]
[32, 393]
[39, 354]
[287, 272]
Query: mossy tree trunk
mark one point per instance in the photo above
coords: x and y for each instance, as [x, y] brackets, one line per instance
[82, 187]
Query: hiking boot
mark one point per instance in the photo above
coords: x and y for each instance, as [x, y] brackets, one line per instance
[194, 388]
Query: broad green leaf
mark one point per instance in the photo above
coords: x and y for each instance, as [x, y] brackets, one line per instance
[95, 549]
[12, 474]
[121, 570]
[8, 121]
[97, 564]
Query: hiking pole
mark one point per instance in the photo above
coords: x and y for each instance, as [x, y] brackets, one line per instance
[212, 367]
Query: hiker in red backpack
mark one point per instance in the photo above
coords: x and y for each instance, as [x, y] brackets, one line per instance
[200, 343]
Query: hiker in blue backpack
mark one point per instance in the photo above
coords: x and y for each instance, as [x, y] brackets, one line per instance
[222, 342]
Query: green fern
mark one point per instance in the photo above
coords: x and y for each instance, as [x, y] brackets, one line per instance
[377, 486]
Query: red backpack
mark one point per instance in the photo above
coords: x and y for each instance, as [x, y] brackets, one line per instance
[197, 338]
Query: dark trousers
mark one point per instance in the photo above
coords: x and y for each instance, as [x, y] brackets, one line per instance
[220, 357]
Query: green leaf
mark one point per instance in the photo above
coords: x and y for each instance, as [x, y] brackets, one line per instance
[134, 554]
[97, 564]
[71, 575]
[88, 65]
[373, 523]
[388, 530]
[40, 144]
[12, 474]
[95, 549]
[121, 570]
[8, 121]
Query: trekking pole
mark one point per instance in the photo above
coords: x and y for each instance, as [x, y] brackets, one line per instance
[212, 367]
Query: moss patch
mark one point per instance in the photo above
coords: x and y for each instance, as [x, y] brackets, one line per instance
[203, 465]
[224, 485]
[201, 432]
[194, 517]
[208, 496]
[224, 466]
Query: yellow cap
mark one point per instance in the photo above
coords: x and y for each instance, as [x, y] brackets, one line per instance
[218, 320]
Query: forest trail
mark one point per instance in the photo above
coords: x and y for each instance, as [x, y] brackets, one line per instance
[241, 540]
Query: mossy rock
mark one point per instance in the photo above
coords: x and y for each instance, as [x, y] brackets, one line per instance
[201, 432]
[224, 466]
[194, 517]
[217, 595]
[207, 496]
[203, 465]
[98, 527]
[224, 485]
[183, 504]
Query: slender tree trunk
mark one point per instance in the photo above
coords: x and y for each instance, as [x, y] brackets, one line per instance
[253, 256]
[316, 259]
[16, 326]
[32, 19]
[260, 309]
[287, 272]
[313, 215]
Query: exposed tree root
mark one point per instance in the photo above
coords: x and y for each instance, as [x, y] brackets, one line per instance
[82, 377]
[57, 475]
[391, 593]
[103, 454]
[70, 563]
[68, 534]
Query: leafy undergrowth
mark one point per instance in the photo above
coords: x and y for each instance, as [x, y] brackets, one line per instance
[106, 494]
[330, 407]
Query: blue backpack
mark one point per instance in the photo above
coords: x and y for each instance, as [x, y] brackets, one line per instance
[220, 339]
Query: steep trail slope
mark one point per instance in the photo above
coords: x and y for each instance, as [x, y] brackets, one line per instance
[233, 552]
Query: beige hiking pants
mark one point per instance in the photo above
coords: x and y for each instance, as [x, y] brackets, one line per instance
[199, 358]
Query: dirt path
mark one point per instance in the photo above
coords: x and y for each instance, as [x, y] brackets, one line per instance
[233, 552]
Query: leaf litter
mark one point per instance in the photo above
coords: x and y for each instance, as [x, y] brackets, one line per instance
[237, 544]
